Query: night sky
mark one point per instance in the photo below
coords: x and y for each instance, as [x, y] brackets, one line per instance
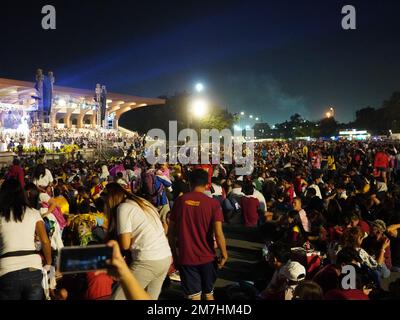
[269, 58]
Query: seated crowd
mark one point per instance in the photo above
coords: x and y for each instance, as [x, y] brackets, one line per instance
[327, 214]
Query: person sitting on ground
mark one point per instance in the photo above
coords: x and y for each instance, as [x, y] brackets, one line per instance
[354, 220]
[361, 291]
[375, 240]
[354, 237]
[295, 233]
[250, 205]
[308, 290]
[61, 201]
[329, 276]
[279, 258]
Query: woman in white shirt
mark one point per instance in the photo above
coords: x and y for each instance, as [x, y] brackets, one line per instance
[20, 264]
[138, 226]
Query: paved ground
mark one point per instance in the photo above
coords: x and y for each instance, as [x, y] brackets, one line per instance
[244, 248]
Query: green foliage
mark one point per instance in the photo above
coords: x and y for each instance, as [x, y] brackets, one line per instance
[218, 119]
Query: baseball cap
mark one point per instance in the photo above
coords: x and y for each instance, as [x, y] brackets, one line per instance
[294, 271]
[379, 224]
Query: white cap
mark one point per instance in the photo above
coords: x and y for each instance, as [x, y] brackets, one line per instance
[294, 271]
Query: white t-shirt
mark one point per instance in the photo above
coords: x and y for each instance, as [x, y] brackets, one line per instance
[147, 232]
[45, 180]
[19, 236]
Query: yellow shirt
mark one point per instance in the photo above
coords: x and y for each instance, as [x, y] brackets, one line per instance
[62, 203]
[331, 163]
[305, 150]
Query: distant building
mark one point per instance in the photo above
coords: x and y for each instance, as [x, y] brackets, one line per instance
[354, 134]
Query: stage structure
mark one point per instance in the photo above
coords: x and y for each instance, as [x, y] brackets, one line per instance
[28, 104]
[44, 98]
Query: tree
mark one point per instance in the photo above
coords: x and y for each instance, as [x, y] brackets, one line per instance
[218, 119]
[328, 127]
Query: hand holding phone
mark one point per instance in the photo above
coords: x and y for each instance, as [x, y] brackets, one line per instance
[84, 259]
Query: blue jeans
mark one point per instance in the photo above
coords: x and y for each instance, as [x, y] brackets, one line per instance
[25, 284]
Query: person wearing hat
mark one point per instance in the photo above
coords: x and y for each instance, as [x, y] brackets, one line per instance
[373, 244]
[294, 273]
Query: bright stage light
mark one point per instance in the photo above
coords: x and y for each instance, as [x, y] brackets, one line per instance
[199, 108]
[242, 113]
[62, 103]
[199, 87]
[328, 114]
[251, 116]
[257, 119]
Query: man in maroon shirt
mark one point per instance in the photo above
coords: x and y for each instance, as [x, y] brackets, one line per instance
[195, 219]
[250, 205]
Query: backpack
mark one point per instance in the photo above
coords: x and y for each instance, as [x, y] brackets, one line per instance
[149, 187]
[231, 209]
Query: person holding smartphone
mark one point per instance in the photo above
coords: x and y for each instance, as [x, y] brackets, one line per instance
[138, 227]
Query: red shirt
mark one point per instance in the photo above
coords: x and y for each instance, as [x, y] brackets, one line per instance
[351, 294]
[250, 207]
[17, 173]
[99, 287]
[194, 214]
[381, 160]
[327, 278]
[364, 226]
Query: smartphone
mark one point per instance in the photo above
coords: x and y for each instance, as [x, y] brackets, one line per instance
[83, 259]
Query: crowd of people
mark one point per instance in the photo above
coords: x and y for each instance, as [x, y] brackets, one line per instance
[55, 138]
[320, 208]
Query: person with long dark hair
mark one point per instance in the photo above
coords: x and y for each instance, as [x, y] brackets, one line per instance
[20, 263]
[42, 176]
[136, 224]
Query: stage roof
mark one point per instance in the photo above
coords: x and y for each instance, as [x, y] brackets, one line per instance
[21, 92]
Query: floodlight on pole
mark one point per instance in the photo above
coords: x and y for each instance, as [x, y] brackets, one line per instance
[199, 108]
[199, 87]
